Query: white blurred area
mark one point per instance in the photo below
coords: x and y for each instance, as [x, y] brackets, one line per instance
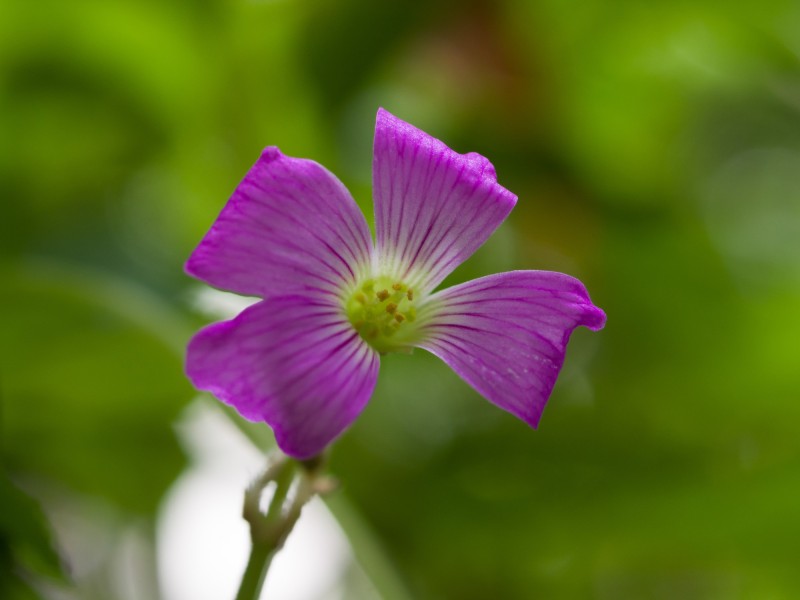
[219, 305]
[203, 542]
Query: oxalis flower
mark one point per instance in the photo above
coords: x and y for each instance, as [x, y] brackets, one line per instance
[305, 358]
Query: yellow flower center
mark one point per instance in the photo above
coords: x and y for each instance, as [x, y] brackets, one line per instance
[383, 313]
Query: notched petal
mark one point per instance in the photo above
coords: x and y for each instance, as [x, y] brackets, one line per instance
[506, 334]
[291, 362]
[433, 207]
[289, 227]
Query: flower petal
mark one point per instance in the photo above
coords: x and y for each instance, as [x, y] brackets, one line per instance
[433, 206]
[506, 334]
[290, 226]
[293, 362]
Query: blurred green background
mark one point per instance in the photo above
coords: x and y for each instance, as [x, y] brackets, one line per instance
[655, 149]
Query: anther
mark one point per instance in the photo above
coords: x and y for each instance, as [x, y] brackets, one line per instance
[379, 310]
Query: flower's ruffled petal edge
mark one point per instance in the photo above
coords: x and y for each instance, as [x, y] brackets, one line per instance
[433, 206]
[295, 363]
[289, 227]
[506, 334]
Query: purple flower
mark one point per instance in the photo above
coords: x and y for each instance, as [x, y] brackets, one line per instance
[305, 359]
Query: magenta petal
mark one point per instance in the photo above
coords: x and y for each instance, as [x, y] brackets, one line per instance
[506, 334]
[290, 226]
[433, 206]
[292, 362]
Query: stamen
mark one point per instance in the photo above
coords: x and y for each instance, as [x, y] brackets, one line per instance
[379, 310]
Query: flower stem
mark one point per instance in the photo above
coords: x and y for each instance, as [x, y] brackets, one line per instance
[256, 572]
[269, 531]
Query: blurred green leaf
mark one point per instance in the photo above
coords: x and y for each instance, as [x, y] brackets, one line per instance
[25, 542]
[91, 381]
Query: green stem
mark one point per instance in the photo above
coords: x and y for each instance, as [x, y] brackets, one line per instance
[264, 529]
[283, 482]
[269, 531]
[256, 571]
